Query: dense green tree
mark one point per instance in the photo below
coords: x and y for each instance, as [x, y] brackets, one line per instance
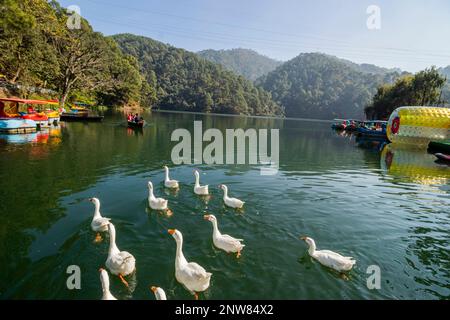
[422, 89]
[26, 31]
[40, 50]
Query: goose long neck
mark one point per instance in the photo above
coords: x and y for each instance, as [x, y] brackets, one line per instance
[112, 240]
[166, 173]
[97, 210]
[180, 259]
[312, 248]
[150, 192]
[105, 284]
[215, 228]
[225, 193]
[197, 180]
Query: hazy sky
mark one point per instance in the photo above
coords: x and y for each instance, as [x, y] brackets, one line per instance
[414, 34]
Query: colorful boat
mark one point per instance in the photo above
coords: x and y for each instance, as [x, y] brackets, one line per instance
[373, 129]
[9, 109]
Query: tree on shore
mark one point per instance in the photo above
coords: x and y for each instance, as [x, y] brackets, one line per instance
[422, 89]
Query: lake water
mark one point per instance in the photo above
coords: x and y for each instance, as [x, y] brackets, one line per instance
[389, 209]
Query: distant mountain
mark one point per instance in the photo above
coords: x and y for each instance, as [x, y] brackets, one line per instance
[445, 71]
[184, 81]
[446, 90]
[245, 62]
[370, 68]
[316, 85]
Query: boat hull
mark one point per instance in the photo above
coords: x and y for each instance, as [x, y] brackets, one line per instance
[82, 117]
[363, 132]
[17, 125]
[133, 124]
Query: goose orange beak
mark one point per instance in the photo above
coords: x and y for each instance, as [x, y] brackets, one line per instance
[100, 269]
[153, 288]
[206, 216]
[303, 238]
[171, 231]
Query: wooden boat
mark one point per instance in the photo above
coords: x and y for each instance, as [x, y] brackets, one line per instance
[139, 124]
[84, 117]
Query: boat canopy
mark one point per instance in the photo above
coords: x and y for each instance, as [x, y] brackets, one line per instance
[28, 101]
[12, 109]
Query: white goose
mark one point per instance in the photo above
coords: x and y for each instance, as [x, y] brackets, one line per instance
[224, 241]
[155, 203]
[198, 189]
[172, 184]
[329, 258]
[189, 274]
[99, 223]
[231, 202]
[120, 263]
[159, 293]
[104, 278]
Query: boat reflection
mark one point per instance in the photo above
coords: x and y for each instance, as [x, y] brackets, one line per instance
[409, 164]
[372, 144]
[50, 135]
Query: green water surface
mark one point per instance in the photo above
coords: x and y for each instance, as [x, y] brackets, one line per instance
[389, 209]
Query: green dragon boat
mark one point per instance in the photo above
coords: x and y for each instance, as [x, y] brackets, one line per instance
[439, 147]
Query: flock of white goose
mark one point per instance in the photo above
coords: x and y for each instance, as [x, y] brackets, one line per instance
[190, 274]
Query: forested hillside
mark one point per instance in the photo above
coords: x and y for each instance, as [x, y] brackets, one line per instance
[184, 81]
[316, 85]
[40, 50]
[246, 62]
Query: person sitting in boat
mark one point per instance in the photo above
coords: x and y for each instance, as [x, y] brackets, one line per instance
[130, 117]
[136, 118]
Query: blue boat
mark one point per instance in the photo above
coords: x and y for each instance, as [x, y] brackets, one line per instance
[17, 125]
[364, 132]
[372, 129]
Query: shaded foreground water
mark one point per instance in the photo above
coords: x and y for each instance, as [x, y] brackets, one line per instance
[388, 208]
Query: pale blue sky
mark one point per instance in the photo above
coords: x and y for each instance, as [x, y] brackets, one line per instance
[414, 34]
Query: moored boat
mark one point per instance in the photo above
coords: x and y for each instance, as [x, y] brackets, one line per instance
[339, 124]
[70, 116]
[373, 129]
[17, 125]
[9, 109]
